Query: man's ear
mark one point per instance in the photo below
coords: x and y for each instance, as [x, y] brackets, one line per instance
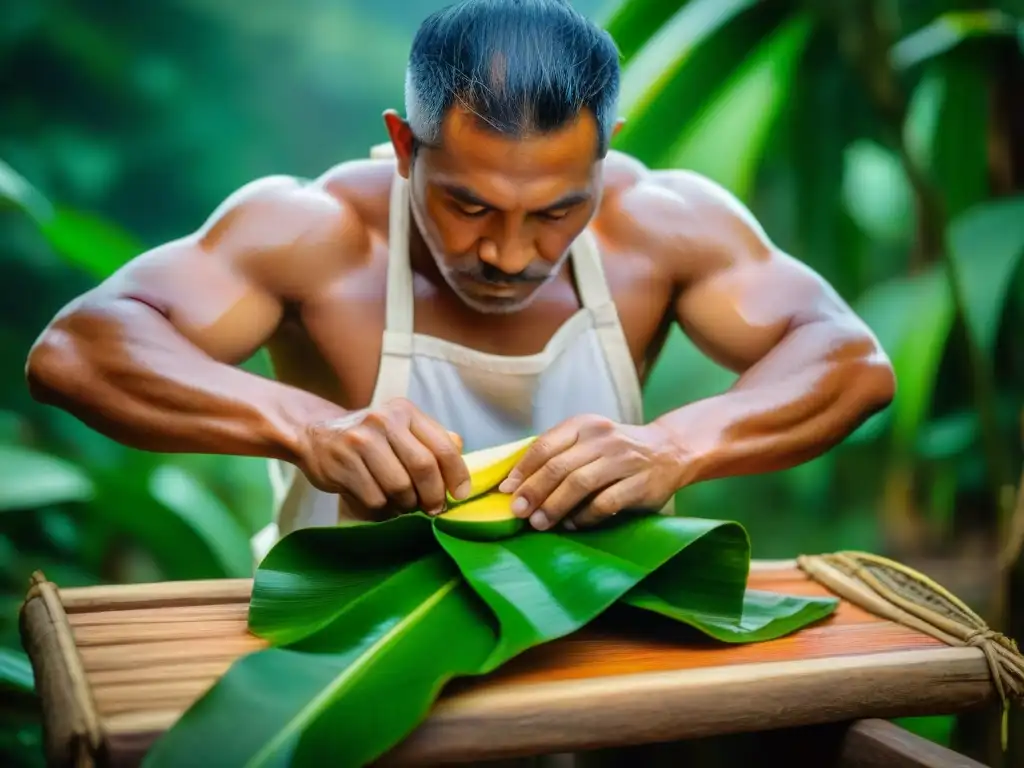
[401, 140]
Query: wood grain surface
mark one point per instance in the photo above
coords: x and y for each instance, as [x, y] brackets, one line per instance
[149, 650]
[881, 744]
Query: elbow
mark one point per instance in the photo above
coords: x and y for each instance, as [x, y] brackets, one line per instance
[50, 365]
[59, 366]
[879, 386]
[873, 381]
[66, 360]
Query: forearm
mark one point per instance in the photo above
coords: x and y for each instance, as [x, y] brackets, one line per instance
[810, 392]
[128, 374]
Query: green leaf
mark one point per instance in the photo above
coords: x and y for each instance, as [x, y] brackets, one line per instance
[180, 544]
[924, 109]
[16, 189]
[299, 587]
[947, 127]
[30, 479]
[16, 672]
[987, 243]
[912, 318]
[948, 31]
[764, 616]
[84, 240]
[350, 690]
[88, 242]
[876, 191]
[670, 79]
[727, 140]
[948, 437]
[632, 23]
[960, 152]
[543, 586]
[828, 115]
[368, 621]
[203, 512]
[705, 586]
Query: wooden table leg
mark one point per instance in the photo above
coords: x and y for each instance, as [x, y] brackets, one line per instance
[880, 744]
[868, 743]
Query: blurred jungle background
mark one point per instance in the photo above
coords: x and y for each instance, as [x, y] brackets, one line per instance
[882, 142]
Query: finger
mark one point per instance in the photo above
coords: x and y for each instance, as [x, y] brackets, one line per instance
[384, 465]
[457, 439]
[578, 487]
[422, 468]
[351, 507]
[354, 479]
[626, 493]
[447, 453]
[541, 451]
[535, 490]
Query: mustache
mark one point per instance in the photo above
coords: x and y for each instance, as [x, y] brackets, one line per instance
[483, 272]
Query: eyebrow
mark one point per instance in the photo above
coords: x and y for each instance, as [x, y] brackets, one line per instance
[467, 196]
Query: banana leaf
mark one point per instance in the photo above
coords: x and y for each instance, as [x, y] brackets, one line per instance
[349, 689]
[369, 621]
[543, 586]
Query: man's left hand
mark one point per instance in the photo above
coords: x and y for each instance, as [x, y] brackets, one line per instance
[588, 468]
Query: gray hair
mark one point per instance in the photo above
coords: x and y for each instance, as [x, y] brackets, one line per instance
[522, 66]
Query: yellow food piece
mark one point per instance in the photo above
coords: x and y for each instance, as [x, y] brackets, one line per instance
[484, 518]
[489, 466]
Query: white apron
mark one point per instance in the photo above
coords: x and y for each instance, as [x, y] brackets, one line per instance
[487, 399]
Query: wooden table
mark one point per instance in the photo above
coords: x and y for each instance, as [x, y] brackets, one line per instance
[108, 668]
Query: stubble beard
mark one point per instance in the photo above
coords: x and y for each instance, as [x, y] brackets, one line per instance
[485, 308]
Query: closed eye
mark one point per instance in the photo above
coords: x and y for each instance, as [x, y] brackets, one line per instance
[553, 215]
[470, 211]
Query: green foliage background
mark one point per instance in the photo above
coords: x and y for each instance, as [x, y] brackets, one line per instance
[880, 142]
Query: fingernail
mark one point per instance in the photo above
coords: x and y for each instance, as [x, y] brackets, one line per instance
[463, 490]
[509, 484]
[539, 520]
[436, 511]
[519, 506]
[570, 525]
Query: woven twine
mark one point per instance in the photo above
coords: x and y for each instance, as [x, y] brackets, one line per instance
[901, 594]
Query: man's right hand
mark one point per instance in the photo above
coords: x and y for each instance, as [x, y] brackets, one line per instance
[388, 459]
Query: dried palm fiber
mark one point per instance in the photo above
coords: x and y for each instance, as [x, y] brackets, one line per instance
[902, 594]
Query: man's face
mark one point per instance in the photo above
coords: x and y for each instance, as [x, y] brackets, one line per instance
[499, 213]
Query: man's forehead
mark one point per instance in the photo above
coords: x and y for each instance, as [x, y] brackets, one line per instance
[468, 143]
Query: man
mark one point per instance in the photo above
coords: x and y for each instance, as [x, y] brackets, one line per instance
[501, 274]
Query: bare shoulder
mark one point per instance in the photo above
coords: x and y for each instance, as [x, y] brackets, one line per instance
[704, 240]
[699, 224]
[286, 233]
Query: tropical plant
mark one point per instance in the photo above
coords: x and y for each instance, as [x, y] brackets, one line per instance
[880, 142]
[890, 196]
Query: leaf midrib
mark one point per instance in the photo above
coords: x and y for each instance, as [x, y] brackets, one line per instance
[329, 619]
[369, 654]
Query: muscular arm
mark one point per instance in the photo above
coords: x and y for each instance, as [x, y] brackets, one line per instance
[810, 370]
[148, 357]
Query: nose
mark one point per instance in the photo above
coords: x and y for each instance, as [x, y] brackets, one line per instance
[511, 253]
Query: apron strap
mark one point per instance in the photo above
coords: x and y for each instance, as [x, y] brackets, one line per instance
[596, 296]
[395, 367]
